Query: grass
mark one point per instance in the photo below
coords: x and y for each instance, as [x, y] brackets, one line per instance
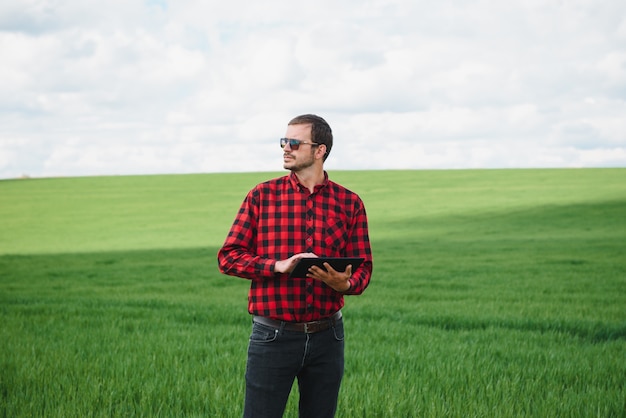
[495, 293]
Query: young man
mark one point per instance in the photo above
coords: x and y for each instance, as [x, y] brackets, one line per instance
[297, 327]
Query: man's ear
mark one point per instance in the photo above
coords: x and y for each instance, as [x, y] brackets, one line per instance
[321, 151]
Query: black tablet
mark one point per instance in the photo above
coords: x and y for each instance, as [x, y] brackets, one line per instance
[338, 263]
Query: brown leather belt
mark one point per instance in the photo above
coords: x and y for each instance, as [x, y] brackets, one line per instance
[306, 327]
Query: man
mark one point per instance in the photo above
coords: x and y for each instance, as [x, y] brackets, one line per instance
[297, 327]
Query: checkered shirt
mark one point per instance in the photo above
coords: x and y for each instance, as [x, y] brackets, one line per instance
[280, 218]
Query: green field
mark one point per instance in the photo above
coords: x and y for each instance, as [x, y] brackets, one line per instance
[496, 293]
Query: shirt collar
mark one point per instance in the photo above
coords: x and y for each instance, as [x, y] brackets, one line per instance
[295, 183]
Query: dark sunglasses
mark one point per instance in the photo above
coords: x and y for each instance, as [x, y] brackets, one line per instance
[294, 144]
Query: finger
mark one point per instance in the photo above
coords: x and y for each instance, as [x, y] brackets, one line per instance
[329, 268]
[316, 271]
[349, 270]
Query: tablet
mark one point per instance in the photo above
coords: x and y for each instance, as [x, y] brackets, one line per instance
[338, 263]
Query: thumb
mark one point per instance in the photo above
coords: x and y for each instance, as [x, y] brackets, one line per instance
[349, 270]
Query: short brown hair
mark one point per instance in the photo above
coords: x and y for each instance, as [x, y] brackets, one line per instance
[320, 130]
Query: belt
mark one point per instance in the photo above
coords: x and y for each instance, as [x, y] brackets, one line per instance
[306, 327]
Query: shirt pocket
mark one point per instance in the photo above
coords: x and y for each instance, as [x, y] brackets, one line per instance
[335, 234]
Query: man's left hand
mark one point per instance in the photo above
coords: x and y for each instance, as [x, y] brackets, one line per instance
[338, 280]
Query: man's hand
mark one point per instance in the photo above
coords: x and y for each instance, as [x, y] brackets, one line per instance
[336, 279]
[287, 266]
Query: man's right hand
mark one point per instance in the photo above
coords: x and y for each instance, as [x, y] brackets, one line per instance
[287, 266]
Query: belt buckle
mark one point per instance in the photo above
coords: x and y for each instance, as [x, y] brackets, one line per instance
[312, 327]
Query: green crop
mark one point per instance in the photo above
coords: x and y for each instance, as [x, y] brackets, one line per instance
[496, 293]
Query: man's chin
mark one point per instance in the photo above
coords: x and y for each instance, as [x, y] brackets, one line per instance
[290, 166]
[294, 166]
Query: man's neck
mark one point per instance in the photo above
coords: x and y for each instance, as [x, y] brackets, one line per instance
[311, 177]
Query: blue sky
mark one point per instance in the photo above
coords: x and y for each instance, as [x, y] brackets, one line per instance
[144, 87]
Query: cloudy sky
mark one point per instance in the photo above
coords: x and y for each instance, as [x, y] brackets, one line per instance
[192, 86]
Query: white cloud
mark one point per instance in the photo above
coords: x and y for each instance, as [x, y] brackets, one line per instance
[195, 86]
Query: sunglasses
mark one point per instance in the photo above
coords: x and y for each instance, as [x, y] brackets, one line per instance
[294, 144]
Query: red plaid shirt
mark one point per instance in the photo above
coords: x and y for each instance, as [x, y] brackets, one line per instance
[280, 218]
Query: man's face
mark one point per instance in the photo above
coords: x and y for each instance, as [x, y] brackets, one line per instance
[303, 157]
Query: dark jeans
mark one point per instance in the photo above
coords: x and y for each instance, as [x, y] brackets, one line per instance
[276, 357]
